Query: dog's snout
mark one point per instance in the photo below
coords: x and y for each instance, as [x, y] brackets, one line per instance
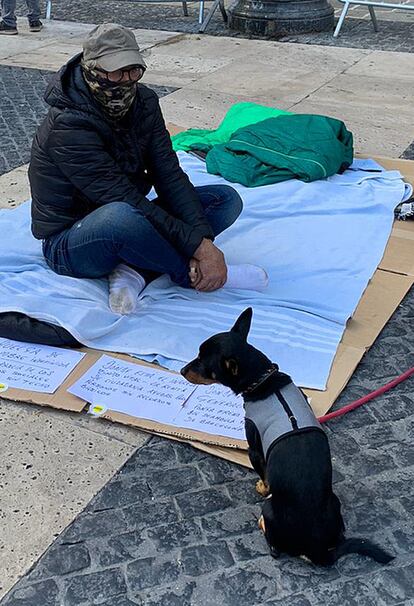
[189, 372]
[195, 373]
[184, 370]
[189, 368]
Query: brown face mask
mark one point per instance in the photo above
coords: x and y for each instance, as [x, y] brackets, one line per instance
[114, 98]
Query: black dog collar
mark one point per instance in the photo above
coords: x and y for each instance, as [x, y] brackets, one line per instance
[268, 373]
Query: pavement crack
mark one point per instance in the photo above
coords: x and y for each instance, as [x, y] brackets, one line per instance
[340, 73]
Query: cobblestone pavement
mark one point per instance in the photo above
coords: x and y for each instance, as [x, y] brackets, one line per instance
[22, 109]
[176, 527]
[358, 33]
[396, 27]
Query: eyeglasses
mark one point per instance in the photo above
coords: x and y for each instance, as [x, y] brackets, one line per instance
[135, 73]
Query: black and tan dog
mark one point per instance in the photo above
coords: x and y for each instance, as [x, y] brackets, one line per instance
[287, 448]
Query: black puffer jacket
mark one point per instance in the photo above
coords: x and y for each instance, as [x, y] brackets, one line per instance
[79, 162]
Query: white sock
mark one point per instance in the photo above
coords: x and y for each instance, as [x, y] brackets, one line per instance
[246, 276]
[125, 284]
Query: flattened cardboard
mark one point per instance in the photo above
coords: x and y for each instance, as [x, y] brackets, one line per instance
[389, 284]
[144, 424]
[399, 254]
[229, 454]
[61, 398]
[406, 167]
[375, 308]
[346, 359]
[187, 435]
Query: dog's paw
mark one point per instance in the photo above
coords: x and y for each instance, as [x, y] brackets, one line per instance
[262, 488]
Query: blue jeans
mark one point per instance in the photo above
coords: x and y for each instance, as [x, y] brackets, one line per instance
[8, 11]
[119, 233]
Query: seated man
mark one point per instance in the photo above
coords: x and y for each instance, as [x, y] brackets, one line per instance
[95, 157]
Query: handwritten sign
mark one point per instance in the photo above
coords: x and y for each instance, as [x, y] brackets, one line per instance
[133, 389]
[157, 395]
[214, 409]
[35, 367]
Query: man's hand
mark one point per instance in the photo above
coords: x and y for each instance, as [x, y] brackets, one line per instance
[211, 265]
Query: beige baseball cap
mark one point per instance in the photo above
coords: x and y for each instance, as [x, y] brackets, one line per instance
[112, 47]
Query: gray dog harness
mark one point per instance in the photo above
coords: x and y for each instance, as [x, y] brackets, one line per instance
[284, 412]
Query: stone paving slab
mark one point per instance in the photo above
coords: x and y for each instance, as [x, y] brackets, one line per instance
[14, 187]
[290, 86]
[375, 132]
[74, 32]
[396, 27]
[380, 64]
[59, 41]
[372, 102]
[191, 58]
[51, 468]
[192, 108]
[51, 55]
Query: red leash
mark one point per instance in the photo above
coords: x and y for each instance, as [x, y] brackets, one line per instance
[368, 397]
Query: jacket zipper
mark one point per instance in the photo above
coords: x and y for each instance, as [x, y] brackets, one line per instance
[281, 154]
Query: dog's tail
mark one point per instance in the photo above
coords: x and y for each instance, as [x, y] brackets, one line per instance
[363, 547]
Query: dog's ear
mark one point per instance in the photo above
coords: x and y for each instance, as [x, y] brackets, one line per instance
[231, 365]
[243, 322]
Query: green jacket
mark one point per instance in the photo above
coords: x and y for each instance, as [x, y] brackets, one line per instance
[296, 146]
[239, 115]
